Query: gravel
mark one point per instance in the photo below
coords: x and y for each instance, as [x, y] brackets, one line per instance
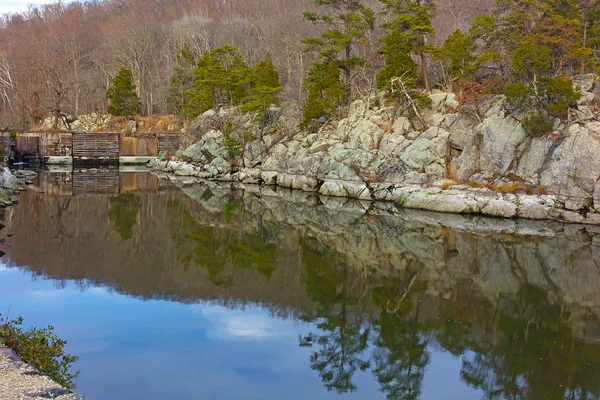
[19, 380]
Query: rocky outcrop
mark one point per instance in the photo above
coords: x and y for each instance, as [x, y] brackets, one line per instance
[10, 186]
[484, 159]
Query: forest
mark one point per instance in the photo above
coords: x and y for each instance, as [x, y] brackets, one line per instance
[186, 56]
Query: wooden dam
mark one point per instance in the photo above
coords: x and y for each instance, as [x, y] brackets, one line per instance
[78, 147]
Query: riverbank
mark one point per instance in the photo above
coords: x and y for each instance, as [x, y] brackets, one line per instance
[455, 158]
[457, 199]
[18, 380]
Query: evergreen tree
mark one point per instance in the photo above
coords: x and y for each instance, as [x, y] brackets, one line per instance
[458, 54]
[398, 61]
[409, 24]
[264, 85]
[347, 22]
[122, 95]
[182, 83]
[221, 78]
[326, 91]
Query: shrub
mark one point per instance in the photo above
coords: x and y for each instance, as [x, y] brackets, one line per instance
[536, 124]
[40, 348]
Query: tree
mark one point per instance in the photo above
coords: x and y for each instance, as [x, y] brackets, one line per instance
[221, 78]
[348, 22]
[398, 61]
[409, 24]
[122, 95]
[458, 55]
[264, 86]
[326, 91]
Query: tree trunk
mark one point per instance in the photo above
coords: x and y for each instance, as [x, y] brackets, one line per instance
[424, 70]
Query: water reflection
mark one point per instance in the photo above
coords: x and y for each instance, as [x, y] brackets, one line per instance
[518, 302]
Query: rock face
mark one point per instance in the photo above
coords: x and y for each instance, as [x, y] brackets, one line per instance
[7, 179]
[381, 154]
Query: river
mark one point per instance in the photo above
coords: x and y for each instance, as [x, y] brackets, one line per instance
[202, 291]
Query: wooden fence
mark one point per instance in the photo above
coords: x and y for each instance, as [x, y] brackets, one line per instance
[96, 146]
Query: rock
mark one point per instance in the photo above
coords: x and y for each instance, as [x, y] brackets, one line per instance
[401, 126]
[7, 179]
[444, 183]
[494, 147]
[353, 190]
[289, 118]
[444, 102]
[460, 128]
[428, 153]
[393, 144]
[207, 149]
[534, 157]
[574, 167]
[131, 126]
[365, 135]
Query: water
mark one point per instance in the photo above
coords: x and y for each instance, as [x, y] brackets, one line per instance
[201, 292]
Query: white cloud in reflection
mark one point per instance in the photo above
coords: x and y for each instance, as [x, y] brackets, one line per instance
[255, 326]
[249, 323]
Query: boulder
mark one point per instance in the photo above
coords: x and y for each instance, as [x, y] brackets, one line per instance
[428, 153]
[365, 135]
[7, 179]
[460, 128]
[207, 149]
[401, 126]
[574, 167]
[393, 144]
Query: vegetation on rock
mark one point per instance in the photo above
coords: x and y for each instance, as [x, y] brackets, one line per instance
[41, 348]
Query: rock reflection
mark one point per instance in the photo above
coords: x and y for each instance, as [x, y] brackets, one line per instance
[518, 301]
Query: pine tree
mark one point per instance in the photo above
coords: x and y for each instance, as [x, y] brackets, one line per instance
[458, 54]
[410, 23]
[326, 91]
[122, 95]
[264, 86]
[347, 22]
[182, 83]
[221, 78]
[398, 62]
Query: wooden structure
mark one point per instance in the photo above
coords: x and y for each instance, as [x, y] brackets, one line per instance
[103, 181]
[79, 147]
[96, 146]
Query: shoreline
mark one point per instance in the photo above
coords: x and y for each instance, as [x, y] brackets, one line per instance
[458, 199]
[19, 380]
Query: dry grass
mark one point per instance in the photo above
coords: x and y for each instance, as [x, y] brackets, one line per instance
[447, 185]
[510, 187]
[147, 124]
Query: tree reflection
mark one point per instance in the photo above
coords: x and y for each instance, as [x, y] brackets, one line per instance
[123, 213]
[343, 337]
[531, 353]
[519, 348]
[400, 358]
[221, 249]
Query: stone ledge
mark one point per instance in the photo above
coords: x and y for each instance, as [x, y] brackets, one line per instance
[465, 200]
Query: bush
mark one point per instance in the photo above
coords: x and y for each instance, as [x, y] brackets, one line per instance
[536, 124]
[41, 349]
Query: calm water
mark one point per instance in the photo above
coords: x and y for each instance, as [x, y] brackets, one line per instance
[202, 292]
